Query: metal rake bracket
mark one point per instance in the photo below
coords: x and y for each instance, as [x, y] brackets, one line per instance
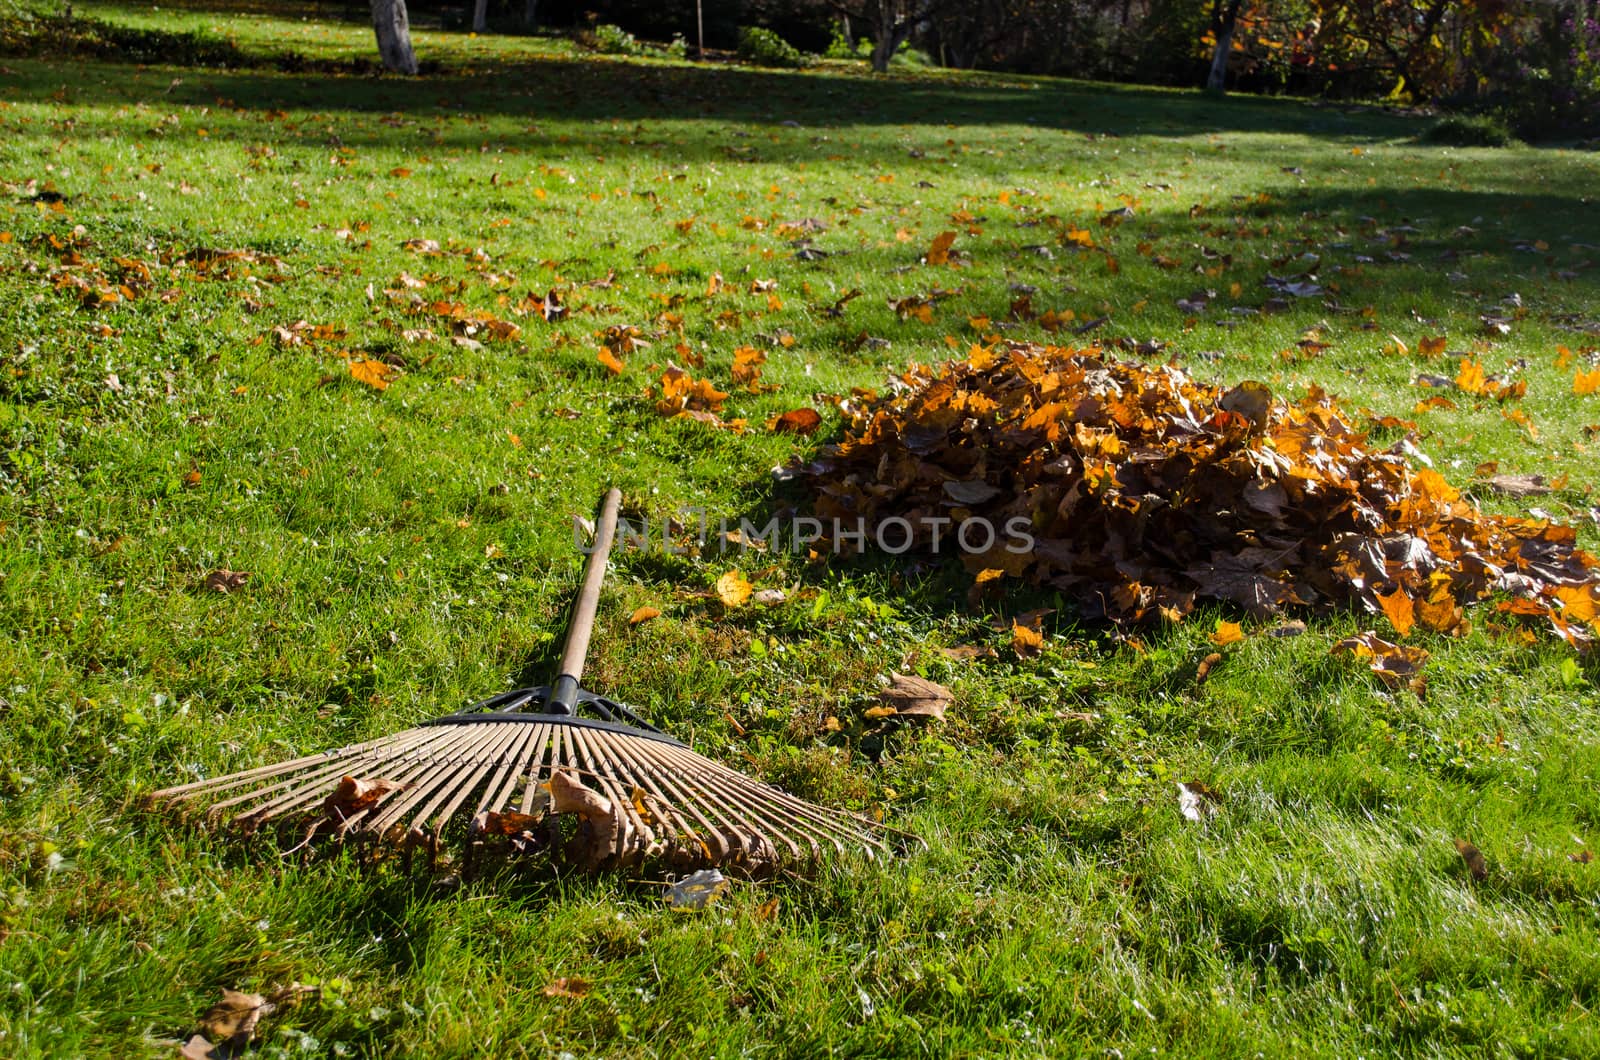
[544, 703]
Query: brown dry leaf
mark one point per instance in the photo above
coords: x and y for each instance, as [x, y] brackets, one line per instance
[376, 374]
[916, 696]
[609, 359]
[356, 795]
[644, 614]
[1519, 485]
[1582, 857]
[508, 823]
[1395, 665]
[234, 1018]
[1209, 663]
[198, 1048]
[1477, 864]
[968, 652]
[767, 910]
[569, 986]
[1431, 347]
[939, 252]
[606, 833]
[1227, 633]
[733, 589]
[223, 580]
[796, 421]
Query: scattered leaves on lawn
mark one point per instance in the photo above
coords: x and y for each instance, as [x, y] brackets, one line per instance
[1142, 490]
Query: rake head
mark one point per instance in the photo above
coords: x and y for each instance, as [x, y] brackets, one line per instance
[604, 791]
[601, 792]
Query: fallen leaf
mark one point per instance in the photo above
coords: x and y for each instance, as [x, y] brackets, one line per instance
[767, 910]
[916, 696]
[1582, 857]
[374, 373]
[796, 421]
[643, 614]
[1026, 642]
[1227, 633]
[1395, 665]
[356, 795]
[939, 252]
[1197, 802]
[733, 589]
[1400, 609]
[233, 1019]
[1209, 663]
[968, 652]
[567, 986]
[1519, 485]
[697, 890]
[769, 597]
[224, 580]
[198, 1048]
[1477, 864]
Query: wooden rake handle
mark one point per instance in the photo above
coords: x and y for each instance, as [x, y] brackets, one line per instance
[565, 693]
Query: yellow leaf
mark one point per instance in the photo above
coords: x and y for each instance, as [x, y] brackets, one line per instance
[1227, 633]
[1025, 641]
[372, 372]
[732, 589]
[644, 614]
[1400, 609]
[1470, 377]
[609, 359]
[1586, 382]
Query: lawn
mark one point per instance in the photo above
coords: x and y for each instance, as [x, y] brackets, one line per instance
[204, 272]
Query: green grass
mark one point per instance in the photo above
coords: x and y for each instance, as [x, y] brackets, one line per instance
[409, 555]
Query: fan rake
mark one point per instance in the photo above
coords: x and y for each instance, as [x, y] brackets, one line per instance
[520, 763]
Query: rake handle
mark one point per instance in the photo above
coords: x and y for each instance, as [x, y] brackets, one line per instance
[565, 693]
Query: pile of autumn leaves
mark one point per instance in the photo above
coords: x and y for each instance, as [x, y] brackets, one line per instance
[1145, 491]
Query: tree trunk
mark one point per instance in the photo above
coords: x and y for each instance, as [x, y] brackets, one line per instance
[1223, 22]
[890, 37]
[480, 16]
[530, 15]
[389, 22]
